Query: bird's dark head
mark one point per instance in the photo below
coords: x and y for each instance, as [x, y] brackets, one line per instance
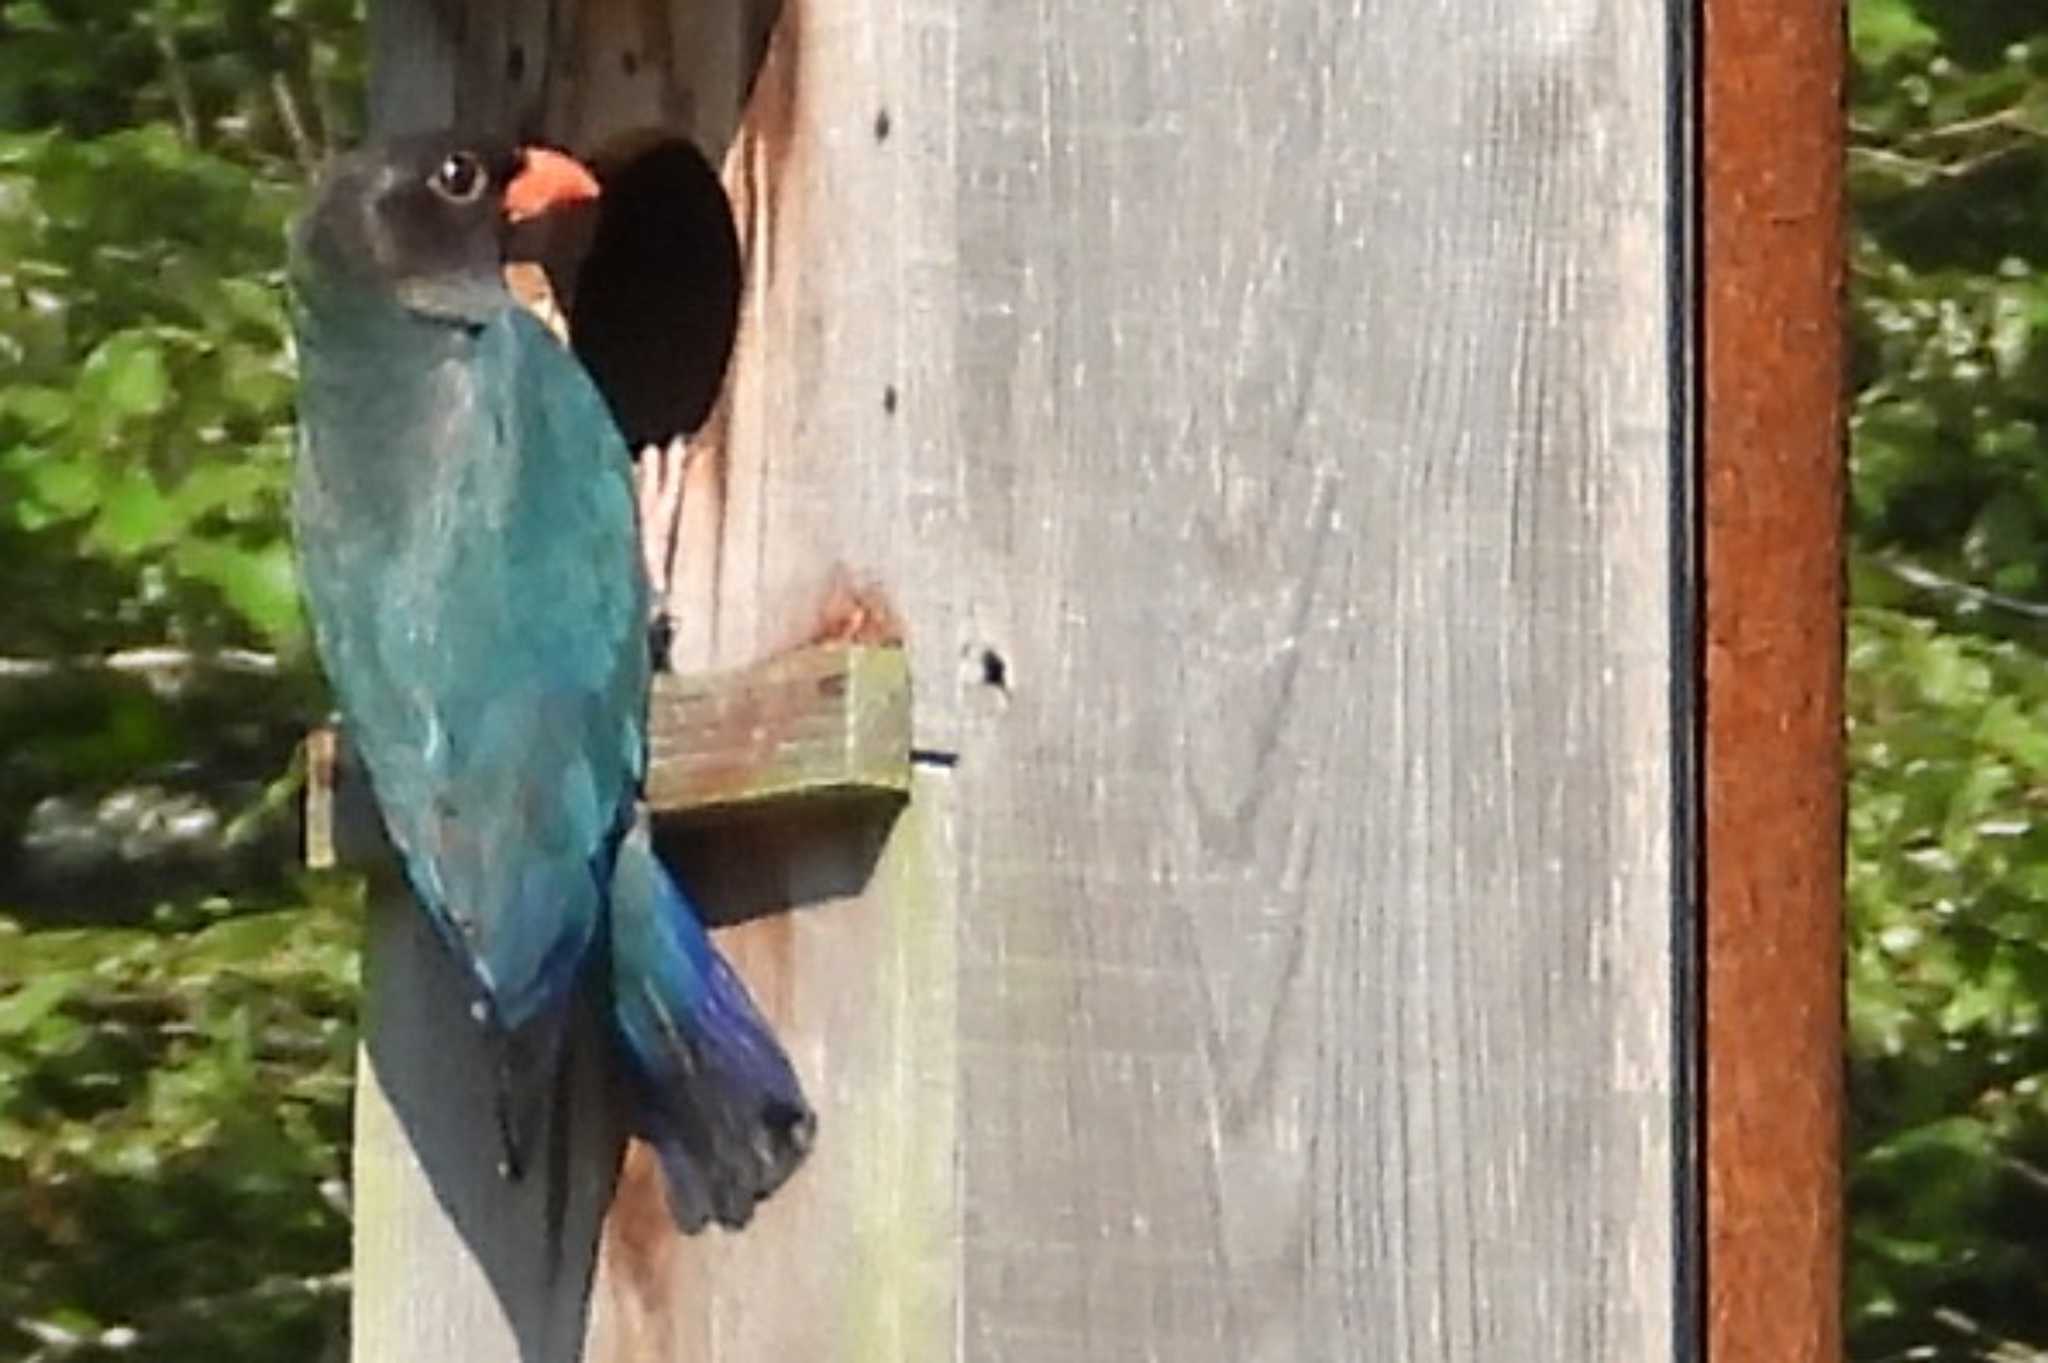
[423, 220]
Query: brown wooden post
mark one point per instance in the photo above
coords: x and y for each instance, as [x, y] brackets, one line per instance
[1773, 196]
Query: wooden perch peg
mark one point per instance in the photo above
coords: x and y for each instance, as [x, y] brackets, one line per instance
[823, 725]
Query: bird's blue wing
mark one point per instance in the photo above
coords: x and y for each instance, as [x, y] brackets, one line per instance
[487, 644]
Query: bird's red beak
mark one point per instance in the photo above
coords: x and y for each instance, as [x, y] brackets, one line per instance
[547, 180]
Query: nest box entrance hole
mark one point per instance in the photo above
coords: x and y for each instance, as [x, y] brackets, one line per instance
[654, 307]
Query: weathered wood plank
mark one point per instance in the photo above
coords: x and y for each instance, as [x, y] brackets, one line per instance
[865, 1227]
[801, 733]
[1317, 978]
[1263, 425]
[820, 725]
[1261, 422]
[635, 68]
[859, 1257]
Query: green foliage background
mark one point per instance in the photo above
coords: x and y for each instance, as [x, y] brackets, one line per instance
[176, 1002]
[1948, 729]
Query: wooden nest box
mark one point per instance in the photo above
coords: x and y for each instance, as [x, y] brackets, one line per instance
[1253, 915]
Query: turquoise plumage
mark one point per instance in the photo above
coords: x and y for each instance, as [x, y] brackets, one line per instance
[464, 515]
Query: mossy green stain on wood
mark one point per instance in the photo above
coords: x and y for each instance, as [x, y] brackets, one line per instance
[820, 725]
[901, 1302]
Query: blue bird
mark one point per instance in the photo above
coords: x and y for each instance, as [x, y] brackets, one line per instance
[464, 517]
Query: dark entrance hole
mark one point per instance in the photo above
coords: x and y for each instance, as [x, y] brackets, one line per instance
[657, 300]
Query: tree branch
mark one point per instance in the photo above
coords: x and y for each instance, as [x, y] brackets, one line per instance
[157, 661]
[1966, 594]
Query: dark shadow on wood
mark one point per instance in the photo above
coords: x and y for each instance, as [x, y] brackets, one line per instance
[814, 728]
[753, 866]
[535, 1238]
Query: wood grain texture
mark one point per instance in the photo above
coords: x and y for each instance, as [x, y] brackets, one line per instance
[857, 1254]
[804, 486]
[798, 734]
[1260, 420]
[1773, 195]
[1316, 875]
[635, 68]
[827, 725]
[1295, 451]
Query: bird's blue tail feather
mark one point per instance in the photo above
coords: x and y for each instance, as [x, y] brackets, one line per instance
[714, 1093]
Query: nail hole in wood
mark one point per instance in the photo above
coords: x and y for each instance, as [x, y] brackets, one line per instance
[995, 671]
[882, 125]
[629, 62]
[515, 63]
[889, 399]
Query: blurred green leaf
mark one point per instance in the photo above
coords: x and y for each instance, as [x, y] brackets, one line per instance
[176, 1001]
[126, 374]
[1947, 870]
[259, 583]
[1881, 30]
[133, 515]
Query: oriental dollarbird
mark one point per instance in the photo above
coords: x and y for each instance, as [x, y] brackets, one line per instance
[464, 514]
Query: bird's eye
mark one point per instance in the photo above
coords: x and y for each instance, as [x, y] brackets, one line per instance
[460, 178]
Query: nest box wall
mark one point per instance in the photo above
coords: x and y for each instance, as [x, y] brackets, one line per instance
[848, 939]
[586, 73]
[1262, 421]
